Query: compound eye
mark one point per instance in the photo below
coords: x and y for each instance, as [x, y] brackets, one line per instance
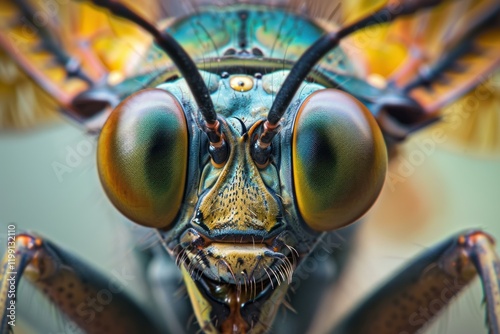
[339, 160]
[142, 157]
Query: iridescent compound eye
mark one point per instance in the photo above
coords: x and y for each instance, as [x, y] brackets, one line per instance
[142, 157]
[339, 160]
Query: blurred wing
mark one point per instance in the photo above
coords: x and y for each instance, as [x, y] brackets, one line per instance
[52, 51]
[437, 57]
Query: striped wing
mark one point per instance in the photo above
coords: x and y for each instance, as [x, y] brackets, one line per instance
[423, 54]
[40, 41]
[446, 58]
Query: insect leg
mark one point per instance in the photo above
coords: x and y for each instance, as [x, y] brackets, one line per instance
[415, 296]
[165, 281]
[91, 301]
[317, 273]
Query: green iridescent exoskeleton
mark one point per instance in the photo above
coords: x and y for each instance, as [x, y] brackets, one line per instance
[248, 39]
[271, 209]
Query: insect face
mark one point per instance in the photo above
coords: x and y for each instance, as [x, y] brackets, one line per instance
[236, 233]
[241, 153]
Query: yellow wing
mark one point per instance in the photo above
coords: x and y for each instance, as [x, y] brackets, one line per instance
[33, 83]
[109, 49]
[466, 93]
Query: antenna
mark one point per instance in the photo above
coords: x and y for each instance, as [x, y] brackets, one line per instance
[312, 55]
[184, 63]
